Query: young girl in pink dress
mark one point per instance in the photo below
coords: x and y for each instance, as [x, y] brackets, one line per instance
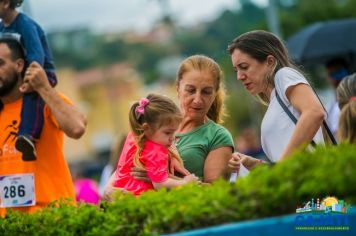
[153, 122]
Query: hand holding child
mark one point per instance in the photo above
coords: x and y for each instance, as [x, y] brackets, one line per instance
[35, 78]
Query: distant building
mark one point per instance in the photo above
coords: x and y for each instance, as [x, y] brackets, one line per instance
[107, 93]
[104, 94]
[161, 33]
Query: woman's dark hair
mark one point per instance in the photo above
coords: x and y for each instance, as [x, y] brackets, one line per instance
[259, 44]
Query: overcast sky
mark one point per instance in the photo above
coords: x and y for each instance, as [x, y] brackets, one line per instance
[118, 15]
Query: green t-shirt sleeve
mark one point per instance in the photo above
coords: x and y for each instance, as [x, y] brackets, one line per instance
[222, 138]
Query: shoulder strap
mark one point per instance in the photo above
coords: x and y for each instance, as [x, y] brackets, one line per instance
[285, 108]
[289, 113]
[332, 138]
[292, 117]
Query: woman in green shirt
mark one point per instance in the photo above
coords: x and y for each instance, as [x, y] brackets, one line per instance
[204, 145]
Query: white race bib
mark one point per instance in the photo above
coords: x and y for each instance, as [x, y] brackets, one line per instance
[17, 190]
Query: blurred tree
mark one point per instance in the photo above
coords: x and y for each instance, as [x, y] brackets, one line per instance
[304, 12]
[110, 51]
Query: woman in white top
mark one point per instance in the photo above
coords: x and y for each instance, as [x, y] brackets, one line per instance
[262, 65]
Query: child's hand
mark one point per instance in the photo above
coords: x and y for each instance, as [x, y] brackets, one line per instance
[191, 179]
[26, 88]
[109, 190]
[35, 78]
[175, 166]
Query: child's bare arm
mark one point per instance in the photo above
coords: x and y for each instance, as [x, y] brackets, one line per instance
[171, 183]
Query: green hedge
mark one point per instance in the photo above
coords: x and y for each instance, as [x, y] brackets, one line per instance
[267, 191]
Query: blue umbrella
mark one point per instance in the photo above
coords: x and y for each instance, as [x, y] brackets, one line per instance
[322, 41]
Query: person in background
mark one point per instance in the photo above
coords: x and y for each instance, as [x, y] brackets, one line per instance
[346, 97]
[262, 65]
[86, 189]
[37, 50]
[153, 122]
[248, 143]
[337, 69]
[46, 179]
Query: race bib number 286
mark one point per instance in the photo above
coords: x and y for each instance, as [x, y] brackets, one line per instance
[17, 190]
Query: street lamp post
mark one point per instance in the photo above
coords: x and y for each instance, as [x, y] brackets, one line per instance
[272, 17]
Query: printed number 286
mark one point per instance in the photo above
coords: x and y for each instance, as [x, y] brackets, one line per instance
[13, 192]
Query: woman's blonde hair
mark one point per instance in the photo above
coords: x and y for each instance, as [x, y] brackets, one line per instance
[159, 111]
[203, 63]
[346, 97]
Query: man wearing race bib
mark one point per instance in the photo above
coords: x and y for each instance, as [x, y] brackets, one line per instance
[30, 185]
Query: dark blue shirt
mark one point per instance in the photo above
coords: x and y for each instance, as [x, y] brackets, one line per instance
[33, 39]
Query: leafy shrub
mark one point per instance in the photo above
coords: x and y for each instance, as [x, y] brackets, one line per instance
[267, 191]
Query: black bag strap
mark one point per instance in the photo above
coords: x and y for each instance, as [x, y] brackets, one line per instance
[330, 134]
[292, 117]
